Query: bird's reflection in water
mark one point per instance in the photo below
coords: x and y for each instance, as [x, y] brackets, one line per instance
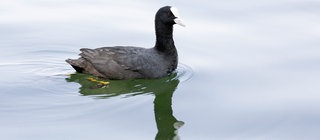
[162, 88]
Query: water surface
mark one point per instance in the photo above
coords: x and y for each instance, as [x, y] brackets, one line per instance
[248, 70]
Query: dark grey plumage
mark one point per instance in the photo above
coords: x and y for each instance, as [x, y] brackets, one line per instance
[126, 62]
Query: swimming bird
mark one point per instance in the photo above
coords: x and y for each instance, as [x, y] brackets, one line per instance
[128, 62]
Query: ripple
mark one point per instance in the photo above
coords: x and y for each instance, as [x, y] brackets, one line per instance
[42, 63]
[184, 72]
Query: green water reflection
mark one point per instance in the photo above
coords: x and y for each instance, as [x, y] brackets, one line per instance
[162, 88]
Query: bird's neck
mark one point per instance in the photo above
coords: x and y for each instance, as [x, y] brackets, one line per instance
[164, 40]
[165, 44]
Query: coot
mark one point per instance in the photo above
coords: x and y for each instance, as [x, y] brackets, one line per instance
[127, 62]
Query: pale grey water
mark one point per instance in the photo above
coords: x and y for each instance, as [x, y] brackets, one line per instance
[248, 70]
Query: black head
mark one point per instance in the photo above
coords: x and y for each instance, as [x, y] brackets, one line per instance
[169, 16]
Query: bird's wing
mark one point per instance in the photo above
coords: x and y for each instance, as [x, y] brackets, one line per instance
[116, 61]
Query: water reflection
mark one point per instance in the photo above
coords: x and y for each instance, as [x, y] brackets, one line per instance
[163, 90]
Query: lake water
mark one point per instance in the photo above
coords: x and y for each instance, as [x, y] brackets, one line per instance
[247, 70]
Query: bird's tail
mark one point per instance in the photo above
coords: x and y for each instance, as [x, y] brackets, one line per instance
[76, 64]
